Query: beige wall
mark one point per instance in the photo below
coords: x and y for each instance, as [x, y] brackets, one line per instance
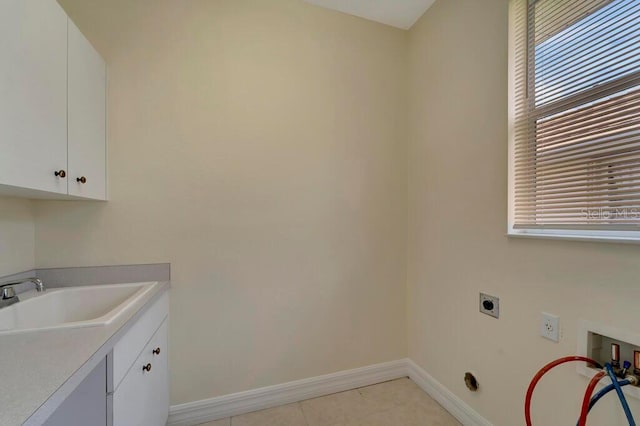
[16, 236]
[258, 146]
[457, 242]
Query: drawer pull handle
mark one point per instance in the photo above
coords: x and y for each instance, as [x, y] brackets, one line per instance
[147, 368]
[81, 179]
[60, 174]
[156, 351]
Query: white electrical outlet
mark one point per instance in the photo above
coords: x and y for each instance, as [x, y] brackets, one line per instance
[550, 327]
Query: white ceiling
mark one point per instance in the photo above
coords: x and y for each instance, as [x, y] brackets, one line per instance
[398, 13]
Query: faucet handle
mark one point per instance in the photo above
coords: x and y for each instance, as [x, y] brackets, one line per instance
[39, 284]
[8, 293]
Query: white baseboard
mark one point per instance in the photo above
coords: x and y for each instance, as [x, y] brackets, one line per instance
[193, 413]
[454, 405]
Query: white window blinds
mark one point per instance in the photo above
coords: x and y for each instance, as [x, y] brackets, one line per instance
[576, 115]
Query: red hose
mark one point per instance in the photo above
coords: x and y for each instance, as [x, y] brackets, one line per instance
[542, 372]
[587, 397]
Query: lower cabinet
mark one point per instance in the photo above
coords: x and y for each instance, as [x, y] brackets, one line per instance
[130, 387]
[143, 395]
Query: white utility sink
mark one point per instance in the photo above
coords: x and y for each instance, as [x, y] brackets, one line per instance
[70, 307]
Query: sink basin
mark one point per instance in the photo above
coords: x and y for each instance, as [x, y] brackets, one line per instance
[70, 307]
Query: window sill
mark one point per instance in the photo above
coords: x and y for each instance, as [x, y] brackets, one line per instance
[585, 237]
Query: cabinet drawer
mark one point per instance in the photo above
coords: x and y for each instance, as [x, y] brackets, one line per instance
[130, 346]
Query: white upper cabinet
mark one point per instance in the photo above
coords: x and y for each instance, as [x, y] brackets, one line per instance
[86, 109]
[33, 94]
[52, 105]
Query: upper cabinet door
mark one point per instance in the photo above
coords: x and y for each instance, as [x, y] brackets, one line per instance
[33, 94]
[87, 118]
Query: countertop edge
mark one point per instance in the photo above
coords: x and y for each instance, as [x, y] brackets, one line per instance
[48, 407]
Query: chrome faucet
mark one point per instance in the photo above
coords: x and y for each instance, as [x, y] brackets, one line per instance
[8, 295]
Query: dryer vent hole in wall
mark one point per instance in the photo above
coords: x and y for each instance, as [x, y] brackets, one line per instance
[471, 382]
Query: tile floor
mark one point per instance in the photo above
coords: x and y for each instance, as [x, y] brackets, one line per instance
[396, 403]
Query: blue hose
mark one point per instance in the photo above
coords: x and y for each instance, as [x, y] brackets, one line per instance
[598, 396]
[623, 400]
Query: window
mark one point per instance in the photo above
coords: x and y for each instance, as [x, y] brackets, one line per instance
[574, 146]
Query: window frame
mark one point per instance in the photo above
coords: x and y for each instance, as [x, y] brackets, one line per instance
[617, 236]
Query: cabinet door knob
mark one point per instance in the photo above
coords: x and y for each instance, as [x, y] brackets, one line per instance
[156, 351]
[82, 179]
[147, 367]
[60, 174]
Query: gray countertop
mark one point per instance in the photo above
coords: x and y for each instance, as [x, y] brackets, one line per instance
[41, 368]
